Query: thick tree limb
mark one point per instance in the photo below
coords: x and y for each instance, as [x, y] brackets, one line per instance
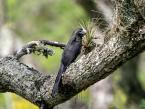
[124, 41]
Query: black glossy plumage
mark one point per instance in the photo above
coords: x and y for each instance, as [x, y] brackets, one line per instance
[70, 53]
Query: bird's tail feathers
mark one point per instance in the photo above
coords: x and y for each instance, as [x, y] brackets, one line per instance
[57, 80]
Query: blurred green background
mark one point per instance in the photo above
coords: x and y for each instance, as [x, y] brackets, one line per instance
[45, 19]
[33, 20]
[55, 20]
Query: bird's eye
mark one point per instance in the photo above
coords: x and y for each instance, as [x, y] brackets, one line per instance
[81, 32]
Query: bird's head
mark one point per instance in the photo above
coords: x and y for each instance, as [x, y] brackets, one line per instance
[81, 32]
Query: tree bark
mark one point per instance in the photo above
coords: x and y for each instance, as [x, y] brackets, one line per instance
[129, 73]
[103, 9]
[123, 41]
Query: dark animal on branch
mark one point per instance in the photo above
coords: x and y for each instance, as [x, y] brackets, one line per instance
[70, 53]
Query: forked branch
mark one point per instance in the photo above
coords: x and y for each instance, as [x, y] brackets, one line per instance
[125, 40]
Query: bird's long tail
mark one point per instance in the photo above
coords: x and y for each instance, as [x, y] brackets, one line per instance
[57, 80]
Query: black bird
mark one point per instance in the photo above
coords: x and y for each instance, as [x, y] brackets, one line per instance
[70, 53]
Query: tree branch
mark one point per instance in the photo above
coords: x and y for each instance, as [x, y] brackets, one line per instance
[124, 41]
[38, 46]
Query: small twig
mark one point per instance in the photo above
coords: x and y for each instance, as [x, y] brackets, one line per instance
[52, 43]
[39, 48]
